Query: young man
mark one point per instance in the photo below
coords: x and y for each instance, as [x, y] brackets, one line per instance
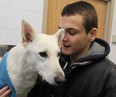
[83, 58]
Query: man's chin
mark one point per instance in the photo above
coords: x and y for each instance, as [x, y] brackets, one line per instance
[66, 52]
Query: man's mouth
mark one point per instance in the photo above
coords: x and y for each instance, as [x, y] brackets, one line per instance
[66, 46]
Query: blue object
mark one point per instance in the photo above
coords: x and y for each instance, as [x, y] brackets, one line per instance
[4, 77]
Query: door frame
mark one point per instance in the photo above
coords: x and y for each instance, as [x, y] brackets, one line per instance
[108, 19]
[44, 21]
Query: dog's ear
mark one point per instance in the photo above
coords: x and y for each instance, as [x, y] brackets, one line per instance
[60, 34]
[28, 33]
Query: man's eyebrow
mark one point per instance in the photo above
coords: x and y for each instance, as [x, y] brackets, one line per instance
[65, 29]
[68, 28]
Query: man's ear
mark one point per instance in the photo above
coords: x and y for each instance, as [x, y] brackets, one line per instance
[93, 34]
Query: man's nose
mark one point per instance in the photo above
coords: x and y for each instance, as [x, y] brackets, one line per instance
[65, 38]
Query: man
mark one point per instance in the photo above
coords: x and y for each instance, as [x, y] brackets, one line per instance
[83, 58]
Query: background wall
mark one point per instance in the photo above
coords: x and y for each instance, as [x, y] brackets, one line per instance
[11, 14]
[112, 55]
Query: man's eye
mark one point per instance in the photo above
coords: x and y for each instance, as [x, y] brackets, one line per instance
[43, 54]
[71, 32]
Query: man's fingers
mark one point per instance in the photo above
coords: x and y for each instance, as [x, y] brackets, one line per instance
[5, 92]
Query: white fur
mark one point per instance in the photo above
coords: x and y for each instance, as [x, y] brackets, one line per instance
[24, 60]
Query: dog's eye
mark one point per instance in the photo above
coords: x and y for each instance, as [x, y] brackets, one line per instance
[58, 54]
[43, 54]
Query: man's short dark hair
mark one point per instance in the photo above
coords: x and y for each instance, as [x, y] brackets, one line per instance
[86, 10]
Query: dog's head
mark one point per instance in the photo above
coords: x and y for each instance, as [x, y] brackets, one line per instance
[43, 53]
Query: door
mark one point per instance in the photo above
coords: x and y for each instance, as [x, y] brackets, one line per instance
[55, 7]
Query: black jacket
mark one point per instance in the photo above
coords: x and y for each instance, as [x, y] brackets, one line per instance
[91, 76]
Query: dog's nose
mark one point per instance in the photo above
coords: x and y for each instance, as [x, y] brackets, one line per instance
[59, 79]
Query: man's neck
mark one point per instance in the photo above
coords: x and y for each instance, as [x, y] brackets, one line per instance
[75, 57]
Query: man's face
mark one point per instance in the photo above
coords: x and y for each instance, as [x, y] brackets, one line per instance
[75, 42]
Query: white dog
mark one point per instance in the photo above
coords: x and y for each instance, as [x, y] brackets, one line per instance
[38, 53]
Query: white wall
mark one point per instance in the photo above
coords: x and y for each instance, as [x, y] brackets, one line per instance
[11, 14]
[112, 55]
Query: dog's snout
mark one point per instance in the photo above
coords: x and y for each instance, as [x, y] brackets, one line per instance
[59, 79]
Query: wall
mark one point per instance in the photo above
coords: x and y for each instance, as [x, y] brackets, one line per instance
[11, 14]
[112, 55]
